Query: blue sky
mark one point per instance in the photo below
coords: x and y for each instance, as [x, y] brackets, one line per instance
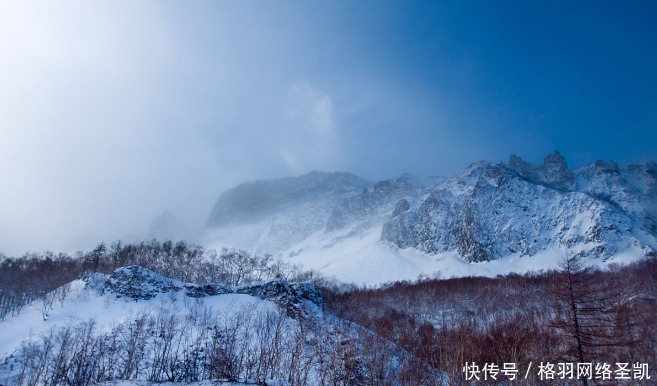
[114, 111]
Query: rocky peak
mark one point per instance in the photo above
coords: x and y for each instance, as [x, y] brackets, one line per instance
[607, 167]
[555, 162]
[490, 211]
[553, 172]
[520, 166]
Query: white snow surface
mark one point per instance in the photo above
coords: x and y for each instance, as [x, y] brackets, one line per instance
[83, 304]
[357, 255]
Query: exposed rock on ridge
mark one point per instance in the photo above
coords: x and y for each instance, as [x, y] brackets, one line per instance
[290, 296]
[138, 283]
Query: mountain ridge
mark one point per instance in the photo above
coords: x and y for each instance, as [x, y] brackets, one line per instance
[486, 213]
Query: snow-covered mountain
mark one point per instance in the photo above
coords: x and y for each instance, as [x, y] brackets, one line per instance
[270, 216]
[504, 217]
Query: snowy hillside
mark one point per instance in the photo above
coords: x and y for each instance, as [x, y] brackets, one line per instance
[136, 325]
[490, 219]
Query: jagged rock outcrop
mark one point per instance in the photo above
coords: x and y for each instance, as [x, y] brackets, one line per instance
[552, 172]
[138, 283]
[293, 297]
[199, 291]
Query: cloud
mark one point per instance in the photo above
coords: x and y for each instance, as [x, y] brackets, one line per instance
[113, 112]
[87, 146]
[311, 141]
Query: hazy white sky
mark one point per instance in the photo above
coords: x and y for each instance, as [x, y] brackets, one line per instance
[113, 111]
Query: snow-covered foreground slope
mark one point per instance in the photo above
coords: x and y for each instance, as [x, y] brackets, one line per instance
[87, 302]
[139, 326]
[130, 291]
[490, 219]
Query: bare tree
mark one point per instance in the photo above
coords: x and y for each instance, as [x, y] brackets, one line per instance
[587, 312]
[62, 293]
[47, 301]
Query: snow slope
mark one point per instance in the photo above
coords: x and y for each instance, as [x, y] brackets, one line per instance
[364, 259]
[131, 293]
[84, 303]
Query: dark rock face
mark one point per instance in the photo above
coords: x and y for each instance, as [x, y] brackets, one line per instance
[138, 283]
[553, 171]
[199, 291]
[291, 296]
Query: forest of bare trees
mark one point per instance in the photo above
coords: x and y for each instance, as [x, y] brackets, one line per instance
[570, 316]
[254, 345]
[424, 332]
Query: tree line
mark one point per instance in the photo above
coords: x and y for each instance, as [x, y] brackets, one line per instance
[34, 276]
